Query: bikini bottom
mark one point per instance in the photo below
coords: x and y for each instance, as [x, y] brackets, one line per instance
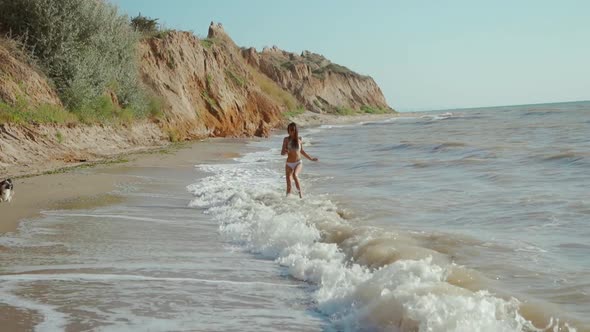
[293, 164]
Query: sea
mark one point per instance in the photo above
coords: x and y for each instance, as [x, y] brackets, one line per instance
[454, 220]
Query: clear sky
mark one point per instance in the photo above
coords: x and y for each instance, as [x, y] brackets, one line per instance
[423, 54]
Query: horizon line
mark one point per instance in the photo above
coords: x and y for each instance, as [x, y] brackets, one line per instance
[493, 106]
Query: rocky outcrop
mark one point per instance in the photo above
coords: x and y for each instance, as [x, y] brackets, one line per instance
[207, 88]
[317, 83]
[20, 81]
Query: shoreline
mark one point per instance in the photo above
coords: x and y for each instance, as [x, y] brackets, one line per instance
[90, 184]
[93, 185]
[174, 161]
[106, 186]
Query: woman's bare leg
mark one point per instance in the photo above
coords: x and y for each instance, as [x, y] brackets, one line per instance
[288, 173]
[298, 169]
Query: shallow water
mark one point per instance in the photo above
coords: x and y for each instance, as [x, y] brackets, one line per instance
[146, 263]
[451, 221]
[468, 220]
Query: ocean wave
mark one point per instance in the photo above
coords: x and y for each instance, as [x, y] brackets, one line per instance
[570, 157]
[448, 145]
[540, 112]
[393, 147]
[436, 117]
[364, 277]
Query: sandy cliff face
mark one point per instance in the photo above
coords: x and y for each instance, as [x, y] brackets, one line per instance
[318, 84]
[206, 86]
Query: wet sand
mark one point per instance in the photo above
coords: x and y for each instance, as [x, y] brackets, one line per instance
[86, 187]
[90, 187]
[135, 257]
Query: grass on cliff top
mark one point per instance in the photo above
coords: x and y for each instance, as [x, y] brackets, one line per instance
[318, 64]
[149, 27]
[208, 42]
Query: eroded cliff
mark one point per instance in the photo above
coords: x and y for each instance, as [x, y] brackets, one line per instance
[206, 87]
[316, 82]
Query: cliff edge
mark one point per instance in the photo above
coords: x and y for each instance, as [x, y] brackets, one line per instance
[207, 88]
[317, 83]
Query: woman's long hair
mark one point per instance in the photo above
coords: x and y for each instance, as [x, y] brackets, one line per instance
[293, 127]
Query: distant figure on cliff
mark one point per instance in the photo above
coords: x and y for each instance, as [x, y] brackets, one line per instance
[293, 148]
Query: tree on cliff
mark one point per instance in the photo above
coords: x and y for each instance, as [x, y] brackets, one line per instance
[145, 24]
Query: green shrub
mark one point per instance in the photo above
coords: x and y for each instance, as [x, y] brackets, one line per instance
[22, 113]
[84, 46]
[155, 108]
[208, 42]
[145, 24]
[209, 81]
[59, 136]
[235, 78]
[332, 67]
[374, 110]
[293, 113]
[345, 111]
[101, 110]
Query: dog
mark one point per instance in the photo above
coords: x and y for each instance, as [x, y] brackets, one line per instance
[6, 190]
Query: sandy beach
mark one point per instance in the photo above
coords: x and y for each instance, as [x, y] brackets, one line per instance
[116, 227]
[89, 185]
[86, 187]
[94, 186]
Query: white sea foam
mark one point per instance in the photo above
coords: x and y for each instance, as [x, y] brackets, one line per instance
[105, 216]
[407, 295]
[441, 116]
